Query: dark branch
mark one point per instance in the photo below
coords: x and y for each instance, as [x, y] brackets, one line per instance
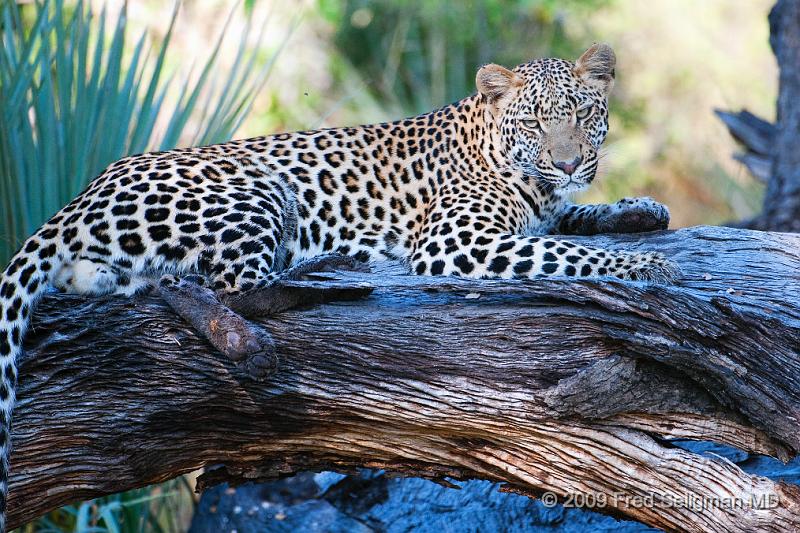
[773, 151]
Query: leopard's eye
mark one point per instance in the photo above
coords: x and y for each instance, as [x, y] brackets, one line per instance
[584, 112]
[530, 124]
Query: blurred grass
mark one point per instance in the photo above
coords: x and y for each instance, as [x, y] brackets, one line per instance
[421, 54]
[164, 508]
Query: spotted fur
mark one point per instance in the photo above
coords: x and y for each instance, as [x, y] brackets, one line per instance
[469, 190]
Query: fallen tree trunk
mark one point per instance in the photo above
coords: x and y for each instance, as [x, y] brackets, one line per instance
[552, 386]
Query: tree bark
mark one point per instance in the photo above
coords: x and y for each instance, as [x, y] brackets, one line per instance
[563, 386]
[782, 199]
[773, 152]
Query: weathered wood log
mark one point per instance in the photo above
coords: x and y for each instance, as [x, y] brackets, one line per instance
[562, 386]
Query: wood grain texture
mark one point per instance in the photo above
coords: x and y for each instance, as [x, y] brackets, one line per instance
[548, 385]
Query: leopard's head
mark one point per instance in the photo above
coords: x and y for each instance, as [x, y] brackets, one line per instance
[552, 115]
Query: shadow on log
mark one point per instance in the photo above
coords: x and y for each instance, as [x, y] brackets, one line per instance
[566, 386]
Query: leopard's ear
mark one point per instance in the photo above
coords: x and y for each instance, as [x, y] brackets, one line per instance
[495, 82]
[596, 67]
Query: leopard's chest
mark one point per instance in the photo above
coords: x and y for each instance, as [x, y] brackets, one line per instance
[543, 220]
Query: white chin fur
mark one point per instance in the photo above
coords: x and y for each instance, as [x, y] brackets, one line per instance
[571, 188]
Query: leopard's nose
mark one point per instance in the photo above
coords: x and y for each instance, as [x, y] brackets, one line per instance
[568, 168]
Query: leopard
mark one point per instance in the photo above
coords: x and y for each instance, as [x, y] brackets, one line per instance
[480, 188]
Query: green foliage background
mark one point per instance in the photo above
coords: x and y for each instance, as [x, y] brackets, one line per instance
[419, 55]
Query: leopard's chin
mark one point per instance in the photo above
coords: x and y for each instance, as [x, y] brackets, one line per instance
[571, 187]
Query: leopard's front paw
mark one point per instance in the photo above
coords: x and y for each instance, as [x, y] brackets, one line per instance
[635, 215]
[650, 266]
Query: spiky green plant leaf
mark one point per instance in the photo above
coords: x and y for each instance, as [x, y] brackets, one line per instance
[75, 96]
